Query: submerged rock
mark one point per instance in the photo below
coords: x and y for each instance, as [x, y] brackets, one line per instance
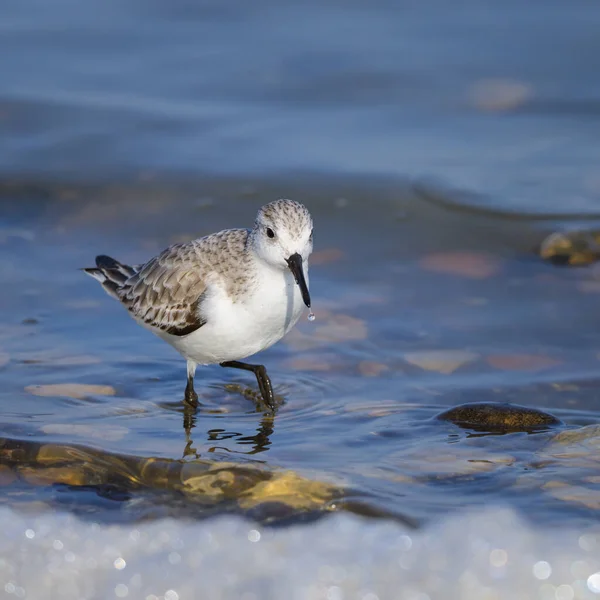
[207, 485]
[290, 489]
[573, 457]
[588, 437]
[80, 391]
[440, 361]
[499, 416]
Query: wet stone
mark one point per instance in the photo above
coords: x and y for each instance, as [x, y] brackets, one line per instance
[424, 465]
[111, 433]
[574, 494]
[522, 362]
[492, 416]
[369, 368]
[440, 361]
[160, 473]
[325, 256]
[576, 447]
[470, 265]
[499, 95]
[588, 435]
[41, 477]
[219, 480]
[290, 489]
[79, 391]
[572, 248]
[51, 454]
[276, 511]
[310, 363]
[211, 485]
[342, 328]
[59, 360]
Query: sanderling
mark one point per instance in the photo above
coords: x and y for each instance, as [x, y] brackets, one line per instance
[223, 297]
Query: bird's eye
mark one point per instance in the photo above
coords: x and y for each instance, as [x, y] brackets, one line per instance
[311, 237]
[270, 233]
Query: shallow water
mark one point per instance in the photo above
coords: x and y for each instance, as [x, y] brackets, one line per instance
[436, 146]
[418, 309]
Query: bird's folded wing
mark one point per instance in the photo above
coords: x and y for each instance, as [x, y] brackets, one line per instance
[166, 292]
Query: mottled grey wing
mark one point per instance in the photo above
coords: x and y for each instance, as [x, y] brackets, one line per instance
[166, 292]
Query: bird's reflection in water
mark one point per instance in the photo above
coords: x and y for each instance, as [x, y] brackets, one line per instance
[259, 442]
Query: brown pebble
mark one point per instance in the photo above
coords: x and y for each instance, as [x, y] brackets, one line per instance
[369, 368]
[576, 494]
[111, 433]
[341, 328]
[440, 361]
[500, 95]
[588, 435]
[471, 265]
[573, 248]
[71, 390]
[522, 362]
[493, 416]
[309, 363]
[327, 255]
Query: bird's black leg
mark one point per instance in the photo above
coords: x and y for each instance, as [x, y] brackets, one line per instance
[264, 383]
[190, 406]
[189, 422]
[190, 394]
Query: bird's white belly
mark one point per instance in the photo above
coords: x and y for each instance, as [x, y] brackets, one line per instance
[234, 329]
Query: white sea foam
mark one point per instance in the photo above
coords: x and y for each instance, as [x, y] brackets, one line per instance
[488, 555]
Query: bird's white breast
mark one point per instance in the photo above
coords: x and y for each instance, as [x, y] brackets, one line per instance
[242, 326]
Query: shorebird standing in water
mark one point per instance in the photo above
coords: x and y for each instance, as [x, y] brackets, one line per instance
[223, 297]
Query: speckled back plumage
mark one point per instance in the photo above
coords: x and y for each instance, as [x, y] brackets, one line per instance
[166, 292]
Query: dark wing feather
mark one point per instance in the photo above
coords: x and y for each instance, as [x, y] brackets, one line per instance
[167, 291]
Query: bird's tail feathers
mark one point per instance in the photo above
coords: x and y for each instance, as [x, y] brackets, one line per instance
[110, 273]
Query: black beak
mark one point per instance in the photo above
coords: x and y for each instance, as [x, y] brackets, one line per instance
[295, 264]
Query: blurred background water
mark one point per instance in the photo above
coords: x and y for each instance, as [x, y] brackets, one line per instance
[497, 97]
[436, 145]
